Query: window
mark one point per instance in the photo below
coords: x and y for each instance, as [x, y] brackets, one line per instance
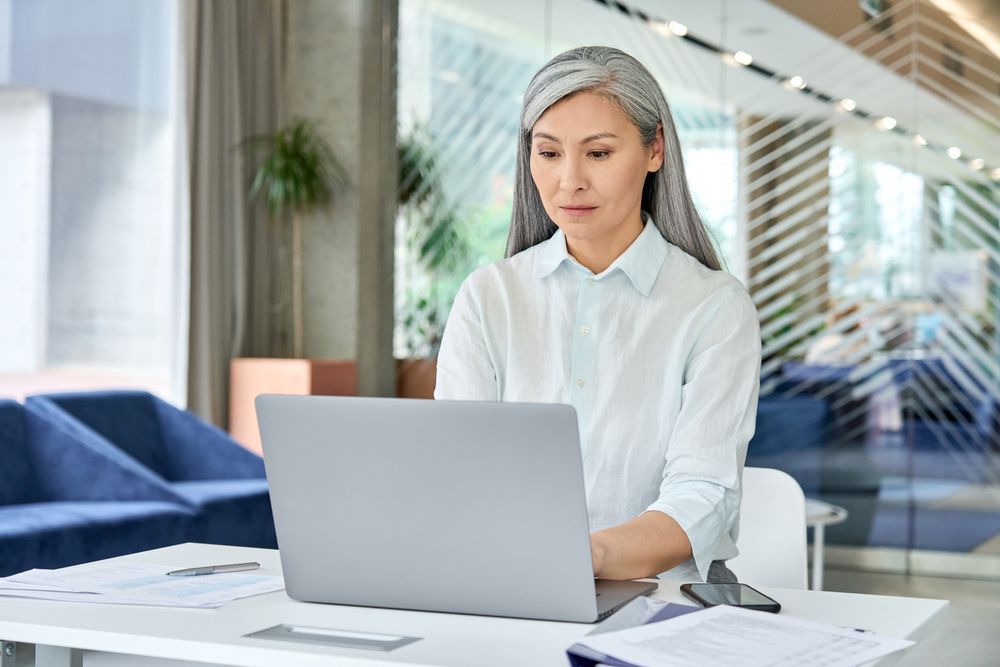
[90, 233]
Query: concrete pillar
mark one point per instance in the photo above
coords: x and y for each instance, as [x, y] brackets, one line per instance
[340, 72]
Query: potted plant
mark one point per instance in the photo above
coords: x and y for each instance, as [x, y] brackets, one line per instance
[298, 174]
[435, 253]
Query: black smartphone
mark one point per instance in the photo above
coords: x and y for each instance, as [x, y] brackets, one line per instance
[736, 595]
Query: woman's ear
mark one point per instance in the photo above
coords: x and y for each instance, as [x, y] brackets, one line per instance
[656, 150]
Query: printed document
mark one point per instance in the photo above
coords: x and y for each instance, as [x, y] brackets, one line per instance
[726, 635]
[138, 583]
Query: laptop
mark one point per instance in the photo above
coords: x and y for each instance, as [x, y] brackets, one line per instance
[447, 506]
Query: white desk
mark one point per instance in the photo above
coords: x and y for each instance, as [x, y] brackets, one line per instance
[217, 635]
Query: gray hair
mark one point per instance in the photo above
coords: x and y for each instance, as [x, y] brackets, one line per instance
[623, 80]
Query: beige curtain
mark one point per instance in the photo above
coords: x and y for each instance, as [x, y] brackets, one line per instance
[234, 75]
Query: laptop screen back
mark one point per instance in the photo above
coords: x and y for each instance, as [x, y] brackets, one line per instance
[470, 507]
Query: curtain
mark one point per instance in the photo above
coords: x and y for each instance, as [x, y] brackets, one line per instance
[234, 79]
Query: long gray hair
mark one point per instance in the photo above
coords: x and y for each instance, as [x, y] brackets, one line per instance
[623, 80]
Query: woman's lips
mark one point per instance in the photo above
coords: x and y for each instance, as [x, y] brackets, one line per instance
[578, 211]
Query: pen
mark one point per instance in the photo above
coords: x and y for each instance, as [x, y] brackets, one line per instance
[213, 569]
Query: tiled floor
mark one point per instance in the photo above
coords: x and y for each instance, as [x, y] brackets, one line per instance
[969, 635]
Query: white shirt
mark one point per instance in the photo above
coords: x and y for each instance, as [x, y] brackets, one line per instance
[659, 355]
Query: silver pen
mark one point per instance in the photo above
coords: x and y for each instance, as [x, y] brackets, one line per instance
[213, 569]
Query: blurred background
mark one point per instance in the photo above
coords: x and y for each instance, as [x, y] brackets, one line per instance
[844, 155]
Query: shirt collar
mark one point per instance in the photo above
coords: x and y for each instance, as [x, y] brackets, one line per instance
[641, 261]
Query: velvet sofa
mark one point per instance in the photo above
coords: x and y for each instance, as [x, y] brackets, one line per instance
[66, 497]
[220, 481]
[799, 435]
[947, 406]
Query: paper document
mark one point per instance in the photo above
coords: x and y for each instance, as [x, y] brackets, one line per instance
[138, 583]
[729, 636]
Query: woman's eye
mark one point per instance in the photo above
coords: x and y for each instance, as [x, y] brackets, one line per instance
[548, 155]
[600, 155]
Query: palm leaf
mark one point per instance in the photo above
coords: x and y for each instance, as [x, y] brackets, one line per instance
[298, 172]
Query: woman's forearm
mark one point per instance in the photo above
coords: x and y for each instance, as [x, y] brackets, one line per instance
[642, 547]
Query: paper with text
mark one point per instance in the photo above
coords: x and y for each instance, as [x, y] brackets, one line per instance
[138, 583]
[725, 635]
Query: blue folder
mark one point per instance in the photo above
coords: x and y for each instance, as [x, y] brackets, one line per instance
[638, 612]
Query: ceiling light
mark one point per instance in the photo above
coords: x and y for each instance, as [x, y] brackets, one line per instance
[954, 152]
[742, 58]
[995, 174]
[847, 104]
[919, 140]
[678, 29]
[660, 27]
[885, 123]
[797, 82]
[977, 163]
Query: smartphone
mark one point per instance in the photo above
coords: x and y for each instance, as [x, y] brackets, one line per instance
[736, 595]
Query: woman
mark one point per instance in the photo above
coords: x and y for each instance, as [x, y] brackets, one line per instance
[611, 299]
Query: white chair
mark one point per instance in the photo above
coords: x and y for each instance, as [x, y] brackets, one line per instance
[772, 539]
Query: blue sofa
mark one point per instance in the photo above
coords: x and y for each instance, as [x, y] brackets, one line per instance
[813, 423]
[946, 405]
[222, 482]
[66, 498]
[800, 435]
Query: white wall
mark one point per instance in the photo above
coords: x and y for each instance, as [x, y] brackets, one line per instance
[26, 135]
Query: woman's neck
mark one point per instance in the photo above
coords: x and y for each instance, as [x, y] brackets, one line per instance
[599, 253]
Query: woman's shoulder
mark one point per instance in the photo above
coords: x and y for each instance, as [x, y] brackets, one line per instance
[504, 273]
[700, 283]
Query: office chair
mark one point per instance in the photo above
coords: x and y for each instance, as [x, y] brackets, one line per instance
[772, 538]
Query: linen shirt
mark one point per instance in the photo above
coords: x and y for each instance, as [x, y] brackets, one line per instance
[659, 355]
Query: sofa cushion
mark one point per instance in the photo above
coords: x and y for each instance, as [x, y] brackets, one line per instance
[59, 534]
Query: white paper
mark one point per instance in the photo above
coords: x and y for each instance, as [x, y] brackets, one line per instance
[726, 635]
[93, 598]
[138, 583]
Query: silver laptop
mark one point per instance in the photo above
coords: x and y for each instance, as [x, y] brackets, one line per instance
[451, 506]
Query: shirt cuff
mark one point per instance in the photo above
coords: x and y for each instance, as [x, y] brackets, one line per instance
[699, 508]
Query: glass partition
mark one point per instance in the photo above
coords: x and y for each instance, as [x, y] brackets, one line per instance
[847, 168]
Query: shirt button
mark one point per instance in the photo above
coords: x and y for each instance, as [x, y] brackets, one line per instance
[590, 282]
[580, 383]
[584, 331]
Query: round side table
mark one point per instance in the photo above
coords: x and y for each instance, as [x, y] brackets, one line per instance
[819, 515]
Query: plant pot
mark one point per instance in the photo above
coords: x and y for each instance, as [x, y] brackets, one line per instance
[415, 377]
[250, 377]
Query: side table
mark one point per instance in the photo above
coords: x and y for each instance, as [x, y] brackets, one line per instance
[819, 515]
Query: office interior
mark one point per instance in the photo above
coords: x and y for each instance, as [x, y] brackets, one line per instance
[844, 155]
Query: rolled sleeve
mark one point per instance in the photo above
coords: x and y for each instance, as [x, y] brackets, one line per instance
[465, 370]
[707, 449]
[702, 510]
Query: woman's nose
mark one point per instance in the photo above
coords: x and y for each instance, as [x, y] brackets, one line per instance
[572, 177]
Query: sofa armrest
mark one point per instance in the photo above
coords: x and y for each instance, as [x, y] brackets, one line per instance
[73, 462]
